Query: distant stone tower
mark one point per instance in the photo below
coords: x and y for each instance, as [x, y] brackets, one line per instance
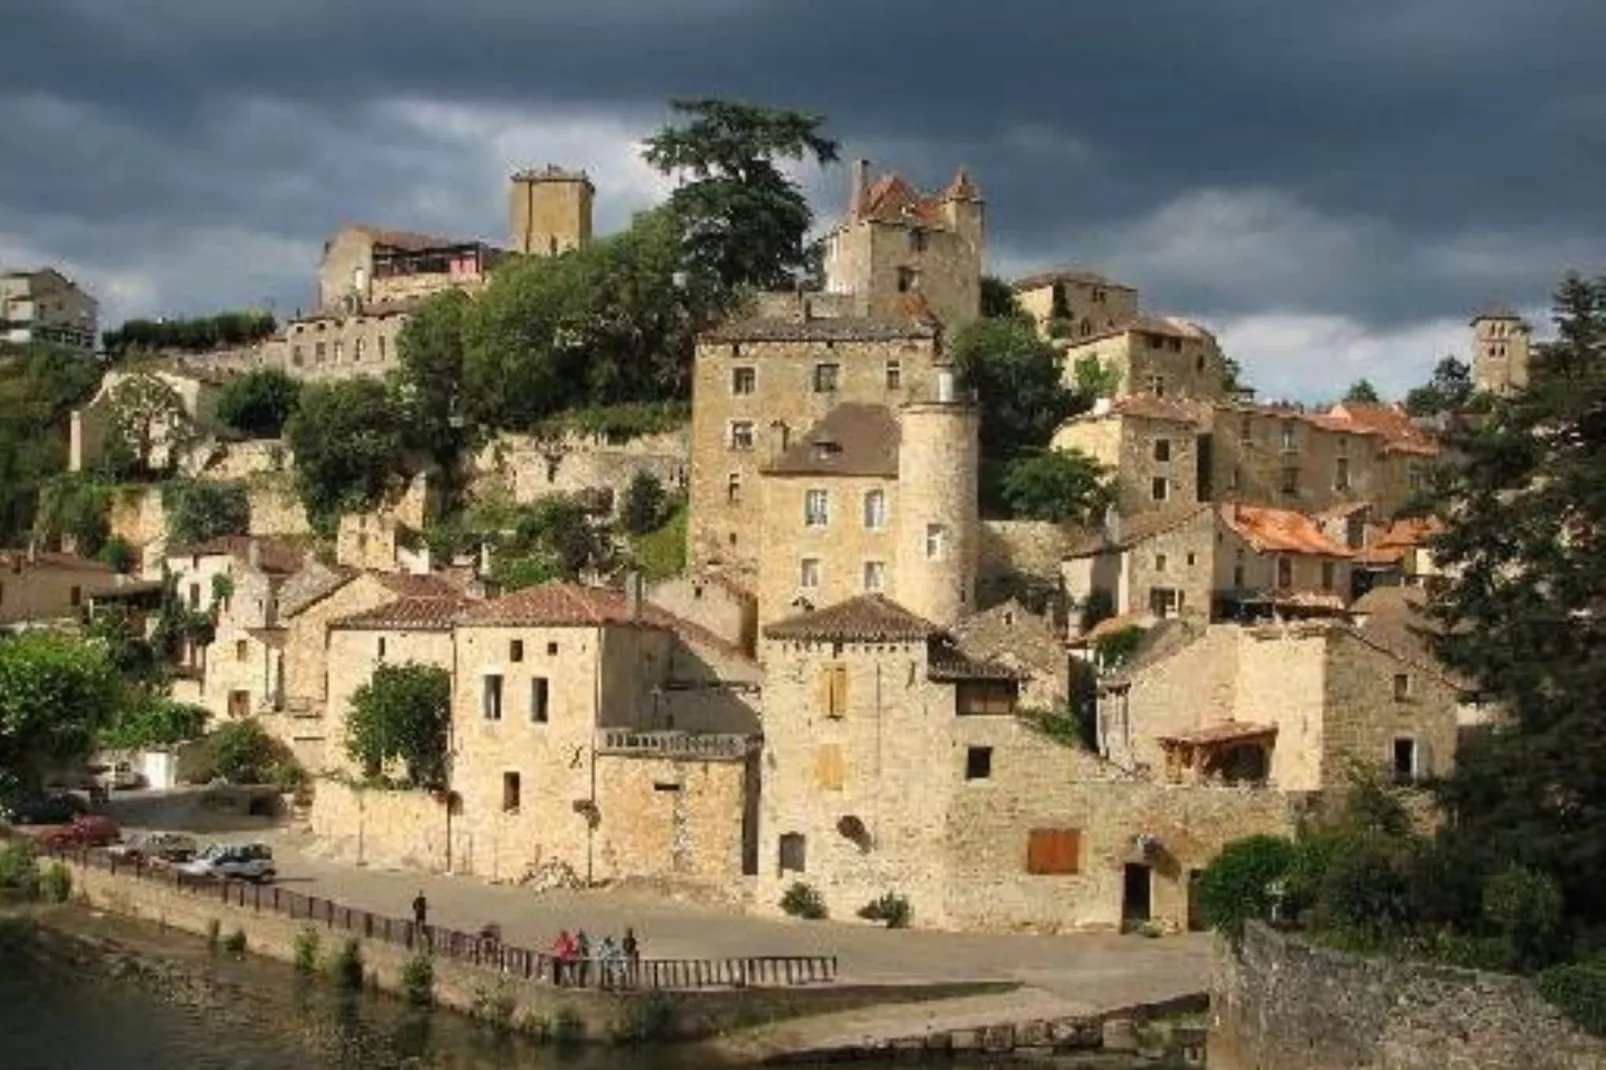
[1502, 345]
[937, 522]
[549, 211]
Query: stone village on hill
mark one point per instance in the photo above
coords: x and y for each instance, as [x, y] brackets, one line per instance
[838, 691]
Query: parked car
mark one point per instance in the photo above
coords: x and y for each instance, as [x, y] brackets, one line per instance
[238, 861]
[56, 823]
[119, 776]
[156, 848]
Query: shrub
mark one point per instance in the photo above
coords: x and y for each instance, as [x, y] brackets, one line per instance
[568, 1027]
[1525, 908]
[118, 553]
[1244, 881]
[891, 908]
[494, 1005]
[646, 1020]
[19, 867]
[234, 943]
[213, 931]
[1365, 892]
[55, 886]
[242, 753]
[346, 966]
[1578, 990]
[306, 950]
[198, 510]
[644, 505]
[418, 980]
[804, 901]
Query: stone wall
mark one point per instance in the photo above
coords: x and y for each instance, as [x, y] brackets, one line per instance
[389, 829]
[525, 467]
[1282, 1004]
[1020, 549]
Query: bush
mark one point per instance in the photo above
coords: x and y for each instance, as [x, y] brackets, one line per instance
[306, 950]
[55, 886]
[259, 402]
[1365, 893]
[891, 908]
[234, 943]
[198, 510]
[418, 980]
[1525, 909]
[242, 753]
[494, 1005]
[645, 503]
[118, 553]
[19, 867]
[804, 901]
[646, 1020]
[1244, 881]
[1578, 990]
[346, 966]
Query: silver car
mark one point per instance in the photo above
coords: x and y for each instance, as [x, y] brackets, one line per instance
[232, 861]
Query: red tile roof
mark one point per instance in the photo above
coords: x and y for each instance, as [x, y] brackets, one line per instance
[865, 618]
[892, 199]
[1390, 421]
[407, 614]
[554, 605]
[407, 585]
[1406, 533]
[1280, 531]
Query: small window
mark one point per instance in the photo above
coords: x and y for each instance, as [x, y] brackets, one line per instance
[834, 690]
[381, 341]
[540, 694]
[379, 647]
[1162, 449]
[744, 380]
[491, 697]
[1157, 385]
[875, 575]
[75, 596]
[816, 508]
[1155, 341]
[1289, 441]
[1051, 852]
[826, 377]
[357, 348]
[733, 488]
[340, 350]
[319, 351]
[1199, 364]
[917, 240]
[242, 649]
[511, 790]
[195, 596]
[741, 435]
[552, 650]
[515, 650]
[1407, 765]
[808, 573]
[793, 852]
[1290, 481]
[936, 542]
[1160, 562]
[1328, 571]
[875, 510]
[297, 357]
[1285, 573]
[1192, 559]
[1234, 478]
[894, 375]
[1402, 687]
[1159, 488]
[978, 763]
[1341, 474]
[908, 280]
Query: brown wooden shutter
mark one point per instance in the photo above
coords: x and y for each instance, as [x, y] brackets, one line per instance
[840, 689]
[1053, 851]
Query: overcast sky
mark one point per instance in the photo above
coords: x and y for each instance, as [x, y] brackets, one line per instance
[1332, 186]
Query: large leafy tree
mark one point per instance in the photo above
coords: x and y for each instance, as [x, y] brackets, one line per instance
[1362, 392]
[40, 385]
[1450, 390]
[1064, 486]
[1018, 380]
[147, 426]
[350, 445]
[744, 220]
[401, 714]
[56, 692]
[998, 300]
[259, 402]
[430, 350]
[198, 510]
[1523, 613]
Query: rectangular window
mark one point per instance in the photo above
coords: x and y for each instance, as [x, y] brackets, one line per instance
[195, 596]
[733, 488]
[540, 695]
[825, 377]
[1234, 478]
[1328, 572]
[511, 791]
[1402, 687]
[936, 542]
[381, 341]
[1290, 481]
[875, 575]
[808, 573]
[1288, 440]
[1159, 562]
[1157, 385]
[1155, 341]
[978, 763]
[1406, 761]
[515, 650]
[356, 350]
[793, 852]
[1159, 488]
[816, 508]
[340, 350]
[875, 510]
[1162, 449]
[908, 280]
[741, 435]
[75, 596]
[552, 650]
[744, 380]
[318, 352]
[986, 698]
[1164, 601]
[1051, 852]
[379, 648]
[894, 375]
[297, 357]
[241, 650]
[1343, 445]
[1285, 573]
[834, 690]
[1341, 475]
[491, 697]
[1413, 475]
[917, 240]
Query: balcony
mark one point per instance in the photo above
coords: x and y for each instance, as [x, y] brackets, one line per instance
[698, 746]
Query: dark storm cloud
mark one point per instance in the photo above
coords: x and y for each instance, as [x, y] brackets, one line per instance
[1390, 161]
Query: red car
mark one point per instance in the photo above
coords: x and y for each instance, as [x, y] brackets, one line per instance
[84, 830]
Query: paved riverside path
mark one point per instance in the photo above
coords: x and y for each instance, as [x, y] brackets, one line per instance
[1083, 973]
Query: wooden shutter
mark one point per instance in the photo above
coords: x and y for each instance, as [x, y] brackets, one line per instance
[1053, 851]
[839, 690]
[828, 767]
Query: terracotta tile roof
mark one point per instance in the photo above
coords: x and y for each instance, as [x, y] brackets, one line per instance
[1136, 529]
[962, 188]
[415, 614]
[823, 329]
[310, 585]
[408, 585]
[1280, 531]
[1406, 533]
[18, 561]
[554, 605]
[1040, 279]
[865, 618]
[1220, 732]
[279, 556]
[891, 199]
[853, 439]
[947, 663]
[1392, 422]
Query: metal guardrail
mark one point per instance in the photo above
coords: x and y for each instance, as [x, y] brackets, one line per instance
[764, 971]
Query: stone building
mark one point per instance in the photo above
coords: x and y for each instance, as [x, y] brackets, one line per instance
[46, 306]
[896, 243]
[1502, 350]
[1027, 644]
[341, 343]
[523, 468]
[1280, 706]
[364, 265]
[44, 585]
[1161, 356]
[549, 210]
[1074, 303]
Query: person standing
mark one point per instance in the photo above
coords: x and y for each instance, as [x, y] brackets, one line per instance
[562, 952]
[582, 950]
[421, 915]
[632, 955]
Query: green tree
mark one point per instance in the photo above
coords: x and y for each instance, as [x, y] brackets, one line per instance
[1094, 379]
[644, 504]
[1017, 377]
[743, 220]
[56, 693]
[152, 721]
[242, 753]
[556, 527]
[1450, 390]
[118, 553]
[40, 385]
[402, 714]
[1064, 486]
[198, 510]
[998, 301]
[76, 505]
[1362, 392]
[1231, 376]
[148, 427]
[430, 351]
[1520, 613]
[1242, 882]
[259, 402]
[349, 439]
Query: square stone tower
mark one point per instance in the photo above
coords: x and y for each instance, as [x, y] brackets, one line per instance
[549, 211]
[1501, 349]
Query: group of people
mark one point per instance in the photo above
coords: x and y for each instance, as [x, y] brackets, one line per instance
[616, 960]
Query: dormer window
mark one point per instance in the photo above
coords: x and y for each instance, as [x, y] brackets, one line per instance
[825, 449]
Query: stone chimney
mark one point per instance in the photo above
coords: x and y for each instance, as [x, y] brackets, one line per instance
[253, 555]
[858, 183]
[634, 586]
[945, 387]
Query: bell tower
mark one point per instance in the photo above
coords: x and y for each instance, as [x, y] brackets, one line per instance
[549, 210]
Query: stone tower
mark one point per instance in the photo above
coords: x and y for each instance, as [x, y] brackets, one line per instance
[549, 211]
[937, 521]
[1501, 349]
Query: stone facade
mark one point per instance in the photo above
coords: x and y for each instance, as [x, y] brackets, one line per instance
[1502, 351]
[549, 211]
[364, 265]
[723, 609]
[1072, 303]
[339, 344]
[47, 306]
[1280, 1003]
[524, 467]
[1012, 554]
[1163, 564]
[41, 585]
[91, 423]
[1153, 445]
[1168, 357]
[363, 642]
